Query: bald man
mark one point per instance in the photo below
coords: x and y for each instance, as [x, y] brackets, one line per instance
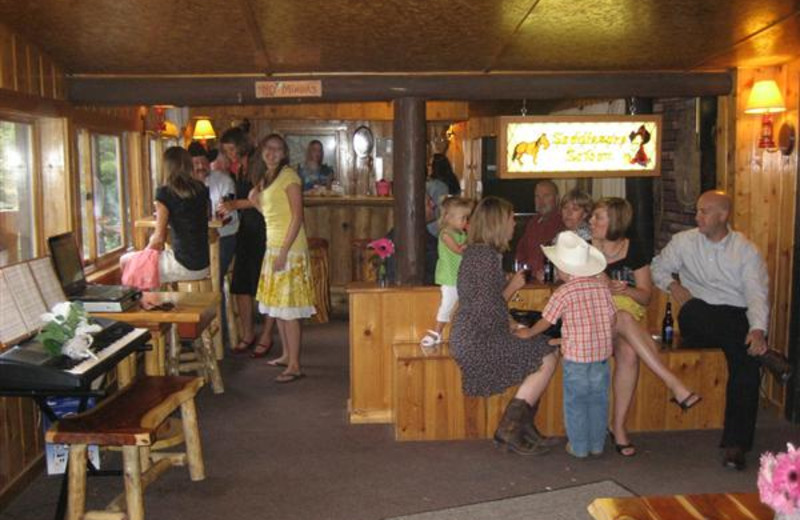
[723, 292]
[541, 228]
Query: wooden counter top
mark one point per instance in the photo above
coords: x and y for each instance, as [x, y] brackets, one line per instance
[369, 287]
[346, 200]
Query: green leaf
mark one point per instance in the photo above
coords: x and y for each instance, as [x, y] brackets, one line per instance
[52, 347]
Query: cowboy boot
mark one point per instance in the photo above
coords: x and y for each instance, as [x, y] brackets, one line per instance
[509, 431]
[529, 430]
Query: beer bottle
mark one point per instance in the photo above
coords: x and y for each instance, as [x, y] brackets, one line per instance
[667, 331]
[549, 271]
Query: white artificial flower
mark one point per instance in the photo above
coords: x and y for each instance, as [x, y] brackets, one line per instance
[61, 310]
[85, 328]
[78, 347]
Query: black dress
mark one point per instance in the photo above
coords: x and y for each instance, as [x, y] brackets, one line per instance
[251, 243]
[491, 358]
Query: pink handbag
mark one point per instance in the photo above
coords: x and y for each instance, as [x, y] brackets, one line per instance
[141, 270]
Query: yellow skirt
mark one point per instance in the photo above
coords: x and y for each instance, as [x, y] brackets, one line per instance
[629, 305]
[286, 294]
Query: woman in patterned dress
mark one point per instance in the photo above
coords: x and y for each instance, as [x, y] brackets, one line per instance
[491, 357]
[284, 289]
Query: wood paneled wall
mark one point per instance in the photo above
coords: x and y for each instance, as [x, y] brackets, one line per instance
[32, 90]
[53, 137]
[764, 186]
[26, 69]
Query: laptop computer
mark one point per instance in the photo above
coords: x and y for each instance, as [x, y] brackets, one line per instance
[69, 268]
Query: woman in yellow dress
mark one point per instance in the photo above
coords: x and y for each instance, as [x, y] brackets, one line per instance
[284, 289]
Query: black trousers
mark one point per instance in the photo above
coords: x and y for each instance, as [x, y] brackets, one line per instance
[705, 325]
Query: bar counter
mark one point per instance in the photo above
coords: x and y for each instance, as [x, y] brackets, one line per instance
[347, 223]
[383, 316]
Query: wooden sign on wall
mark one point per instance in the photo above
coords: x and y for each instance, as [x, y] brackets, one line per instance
[288, 89]
[579, 146]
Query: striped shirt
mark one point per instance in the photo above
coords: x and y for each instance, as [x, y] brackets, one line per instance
[587, 312]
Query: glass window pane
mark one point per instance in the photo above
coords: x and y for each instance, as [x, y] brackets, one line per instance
[107, 179]
[126, 194]
[86, 200]
[16, 193]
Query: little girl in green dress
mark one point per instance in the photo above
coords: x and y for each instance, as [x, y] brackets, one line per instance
[453, 220]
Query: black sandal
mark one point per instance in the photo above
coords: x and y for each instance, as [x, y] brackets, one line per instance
[626, 450]
[687, 403]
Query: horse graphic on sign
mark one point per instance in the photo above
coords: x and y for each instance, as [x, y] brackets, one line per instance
[530, 148]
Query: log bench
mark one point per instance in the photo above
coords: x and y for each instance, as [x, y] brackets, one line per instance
[430, 405]
[130, 419]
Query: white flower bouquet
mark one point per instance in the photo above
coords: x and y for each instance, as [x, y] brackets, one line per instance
[67, 331]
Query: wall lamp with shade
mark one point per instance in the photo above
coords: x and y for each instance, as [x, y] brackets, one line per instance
[765, 99]
[203, 130]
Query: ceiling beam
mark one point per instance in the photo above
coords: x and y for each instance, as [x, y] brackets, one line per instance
[256, 36]
[241, 90]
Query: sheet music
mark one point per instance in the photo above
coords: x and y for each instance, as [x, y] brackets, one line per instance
[12, 326]
[48, 282]
[25, 293]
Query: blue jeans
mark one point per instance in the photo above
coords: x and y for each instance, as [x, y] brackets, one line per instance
[586, 405]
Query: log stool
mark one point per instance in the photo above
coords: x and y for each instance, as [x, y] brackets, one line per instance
[318, 254]
[231, 310]
[130, 419]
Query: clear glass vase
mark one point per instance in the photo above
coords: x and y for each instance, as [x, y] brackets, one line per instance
[383, 279]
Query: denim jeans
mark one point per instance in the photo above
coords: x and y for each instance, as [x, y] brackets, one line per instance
[586, 405]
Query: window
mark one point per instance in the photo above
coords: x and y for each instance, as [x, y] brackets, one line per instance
[157, 148]
[101, 189]
[16, 193]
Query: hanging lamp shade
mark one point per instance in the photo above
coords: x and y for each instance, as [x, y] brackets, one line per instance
[203, 130]
[170, 129]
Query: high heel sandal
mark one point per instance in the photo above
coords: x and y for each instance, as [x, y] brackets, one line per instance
[687, 403]
[626, 450]
[261, 350]
[243, 346]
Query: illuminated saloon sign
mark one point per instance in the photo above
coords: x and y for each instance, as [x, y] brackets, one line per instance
[579, 146]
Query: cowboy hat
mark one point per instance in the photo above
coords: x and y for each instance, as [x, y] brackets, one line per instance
[573, 255]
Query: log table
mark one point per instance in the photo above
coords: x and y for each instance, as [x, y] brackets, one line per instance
[187, 315]
[731, 506]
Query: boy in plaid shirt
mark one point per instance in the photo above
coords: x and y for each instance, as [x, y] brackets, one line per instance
[586, 309]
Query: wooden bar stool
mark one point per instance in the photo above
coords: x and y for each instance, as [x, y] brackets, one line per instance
[231, 310]
[362, 270]
[320, 275]
[130, 419]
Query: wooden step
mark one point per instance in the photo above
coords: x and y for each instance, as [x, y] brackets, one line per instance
[429, 403]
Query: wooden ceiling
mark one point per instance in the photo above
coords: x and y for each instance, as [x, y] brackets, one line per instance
[221, 37]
